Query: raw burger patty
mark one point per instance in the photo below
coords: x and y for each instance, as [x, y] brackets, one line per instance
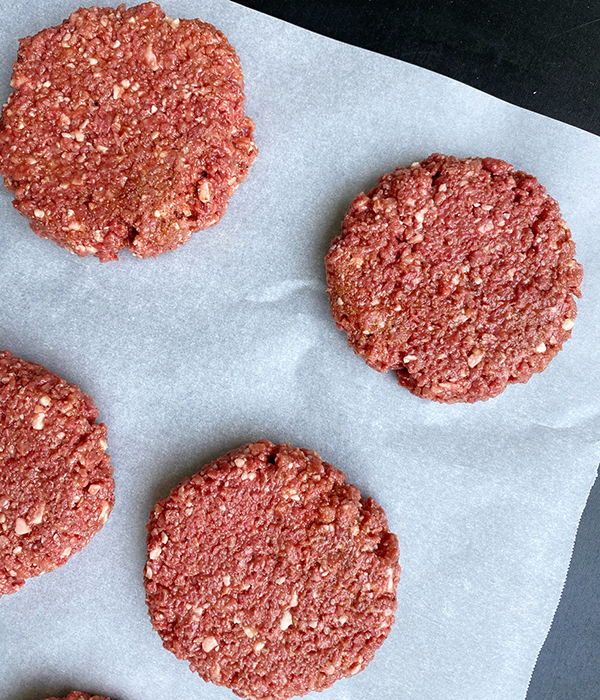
[126, 128]
[56, 487]
[78, 695]
[458, 274]
[270, 574]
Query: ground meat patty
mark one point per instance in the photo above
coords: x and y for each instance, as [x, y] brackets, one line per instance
[126, 128]
[78, 695]
[270, 574]
[56, 487]
[458, 274]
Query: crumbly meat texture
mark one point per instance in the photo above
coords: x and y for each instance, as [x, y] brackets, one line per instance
[56, 486]
[270, 574]
[78, 695]
[126, 129]
[458, 274]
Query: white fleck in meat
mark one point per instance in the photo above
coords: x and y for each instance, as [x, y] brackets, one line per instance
[420, 215]
[204, 192]
[38, 514]
[104, 512]
[150, 58]
[209, 643]
[38, 421]
[475, 357]
[21, 527]
[286, 620]
[390, 581]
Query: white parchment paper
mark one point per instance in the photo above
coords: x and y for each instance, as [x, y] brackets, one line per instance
[229, 339]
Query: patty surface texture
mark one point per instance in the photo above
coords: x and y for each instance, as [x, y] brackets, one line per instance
[270, 574]
[459, 274]
[126, 128]
[56, 486]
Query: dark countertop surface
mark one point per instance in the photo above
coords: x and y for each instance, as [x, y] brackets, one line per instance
[543, 55]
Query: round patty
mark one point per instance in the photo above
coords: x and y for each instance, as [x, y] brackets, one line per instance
[56, 487]
[270, 574]
[126, 128]
[78, 695]
[458, 274]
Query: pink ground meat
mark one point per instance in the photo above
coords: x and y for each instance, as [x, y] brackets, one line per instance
[56, 486]
[126, 128]
[459, 274]
[270, 574]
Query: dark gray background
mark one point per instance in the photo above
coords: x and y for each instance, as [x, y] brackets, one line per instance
[543, 55]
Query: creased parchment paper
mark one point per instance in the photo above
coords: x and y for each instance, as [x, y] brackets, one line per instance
[229, 339]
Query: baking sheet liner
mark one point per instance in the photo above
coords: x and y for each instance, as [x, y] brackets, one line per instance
[229, 339]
